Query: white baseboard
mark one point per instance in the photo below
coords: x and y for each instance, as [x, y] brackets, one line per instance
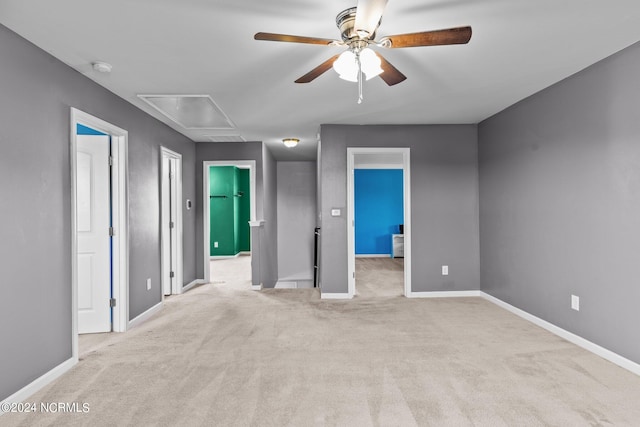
[373, 256]
[443, 294]
[327, 295]
[145, 316]
[569, 336]
[192, 284]
[256, 287]
[39, 383]
[286, 284]
[215, 257]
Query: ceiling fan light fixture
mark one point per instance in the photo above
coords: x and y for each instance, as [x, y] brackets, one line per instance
[347, 64]
[290, 142]
[370, 63]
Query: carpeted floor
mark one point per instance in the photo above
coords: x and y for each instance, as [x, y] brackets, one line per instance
[223, 355]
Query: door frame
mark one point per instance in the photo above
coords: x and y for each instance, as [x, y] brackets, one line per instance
[406, 183]
[178, 285]
[243, 164]
[120, 209]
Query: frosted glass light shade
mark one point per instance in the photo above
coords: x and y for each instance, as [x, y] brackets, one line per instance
[347, 65]
[290, 142]
[370, 63]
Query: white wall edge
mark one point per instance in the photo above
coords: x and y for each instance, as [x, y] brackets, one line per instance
[39, 383]
[569, 336]
[140, 319]
[444, 294]
[327, 295]
[256, 287]
[192, 284]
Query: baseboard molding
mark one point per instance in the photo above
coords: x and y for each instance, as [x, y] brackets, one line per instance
[327, 295]
[256, 287]
[443, 294]
[215, 257]
[569, 336]
[286, 284]
[39, 383]
[138, 320]
[373, 256]
[192, 284]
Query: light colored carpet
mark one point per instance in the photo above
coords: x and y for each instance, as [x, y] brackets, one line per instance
[223, 355]
[379, 277]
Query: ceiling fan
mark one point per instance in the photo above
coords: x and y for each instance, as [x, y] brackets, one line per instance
[358, 26]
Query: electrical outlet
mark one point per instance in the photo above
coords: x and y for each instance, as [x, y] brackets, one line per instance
[149, 283]
[575, 302]
[445, 270]
[215, 244]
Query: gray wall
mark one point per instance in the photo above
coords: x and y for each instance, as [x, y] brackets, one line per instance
[265, 198]
[35, 239]
[560, 203]
[296, 219]
[444, 197]
[269, 257]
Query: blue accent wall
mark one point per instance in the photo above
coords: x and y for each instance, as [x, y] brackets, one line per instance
[83, 130]
[379, 209]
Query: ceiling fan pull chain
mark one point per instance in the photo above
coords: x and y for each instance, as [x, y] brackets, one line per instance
[360, 97]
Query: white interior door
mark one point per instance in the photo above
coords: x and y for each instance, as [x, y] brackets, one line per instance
[93, 221]
[170, 239]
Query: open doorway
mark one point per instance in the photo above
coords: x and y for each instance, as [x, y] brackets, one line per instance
[99, 227]
[378, 209]
[228, 254]
[171, 220]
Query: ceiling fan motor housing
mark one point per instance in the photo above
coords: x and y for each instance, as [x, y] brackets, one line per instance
[346, 21]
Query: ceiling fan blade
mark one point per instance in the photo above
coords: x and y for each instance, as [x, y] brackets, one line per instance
[319, 70]
[390, 74]
[368, 15]
[291, 39]
[460, 35]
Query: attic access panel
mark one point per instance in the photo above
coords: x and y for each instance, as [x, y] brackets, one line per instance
[190, 111]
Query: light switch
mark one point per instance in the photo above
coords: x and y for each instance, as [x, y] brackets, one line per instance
[575, 302]
[445, 270]
[335, 212]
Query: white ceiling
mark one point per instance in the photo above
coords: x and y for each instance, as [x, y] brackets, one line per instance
[206, 47]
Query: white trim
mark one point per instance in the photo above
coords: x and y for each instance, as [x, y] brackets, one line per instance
[143, 317]
[569, 336]
[327, 295]
[286, 284]
[243, 164]
[444, 294]
[215, 257]
[373, 256]
[176, 287]
[120, 209]
[196, 282]
[379, 166]
[39, 383]
[256, 287]
[406, 182]
[258, 223]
